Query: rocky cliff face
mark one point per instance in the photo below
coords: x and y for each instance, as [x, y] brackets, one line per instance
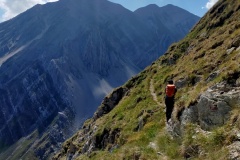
[205, 121]
[170, 25]
[88, 138]
[20, 101]
[59, 60]
[213, 106]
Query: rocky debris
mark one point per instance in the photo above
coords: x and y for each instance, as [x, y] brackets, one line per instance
[234, 151]
[213, 106]
[236, 42]
[181, 83]
[213, 75]
[232, 78]
[142, 119]
[54, 135]
[229, 51]
[189, 49]
[107, 139]
[110, 102]
[238, 82]
[170, 60]
[190, 151]
[194, 79]
[191, 80]
[238, 49]
[89, 138]
[173, 128]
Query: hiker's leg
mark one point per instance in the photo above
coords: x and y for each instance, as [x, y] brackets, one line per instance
[171, 106]
[166, 103]
[170, 111]
[168, 108]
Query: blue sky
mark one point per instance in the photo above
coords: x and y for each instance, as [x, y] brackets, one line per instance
[11, 8]
[197, 7]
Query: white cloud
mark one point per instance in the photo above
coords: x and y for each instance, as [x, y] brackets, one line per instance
[210, 3]
[12, 8]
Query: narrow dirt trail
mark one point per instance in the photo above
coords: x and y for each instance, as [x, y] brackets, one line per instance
[153, 93]
[154, 143]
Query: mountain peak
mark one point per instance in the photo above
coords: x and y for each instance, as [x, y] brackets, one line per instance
[148, 7]
[152, 6]
[170, 5]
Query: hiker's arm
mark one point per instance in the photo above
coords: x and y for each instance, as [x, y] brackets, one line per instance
[175, 91]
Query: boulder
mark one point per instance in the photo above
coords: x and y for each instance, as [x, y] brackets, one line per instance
[229, 51]
[238, 82]
[181, 83]
[190, 115]
[213, 107]
[236, 42]
[213, 75]
[234, 151]
[110, 102]
[238, 49]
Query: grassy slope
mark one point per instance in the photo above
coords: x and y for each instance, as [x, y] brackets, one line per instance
[201, 53]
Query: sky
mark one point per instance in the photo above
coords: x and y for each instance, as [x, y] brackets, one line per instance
[11, 8]
[197, 7]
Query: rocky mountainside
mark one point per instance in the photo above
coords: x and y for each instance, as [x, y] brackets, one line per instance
[205, 124]
[167, 25]
[59, 60]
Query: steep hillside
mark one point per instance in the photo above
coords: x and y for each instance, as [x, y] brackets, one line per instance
[58, 61]
[205, 65]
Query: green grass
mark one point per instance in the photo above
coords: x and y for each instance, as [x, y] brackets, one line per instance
[169, 147]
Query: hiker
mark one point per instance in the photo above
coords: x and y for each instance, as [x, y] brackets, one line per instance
[170, 92]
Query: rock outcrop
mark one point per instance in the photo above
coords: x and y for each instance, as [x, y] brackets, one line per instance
[213, 106]
[110, 102]
[90, 138]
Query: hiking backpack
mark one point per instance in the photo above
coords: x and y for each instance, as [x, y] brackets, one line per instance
[170, 90]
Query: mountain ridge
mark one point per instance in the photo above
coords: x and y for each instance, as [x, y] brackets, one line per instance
[162, 22]
[56, 68]
[205, 121]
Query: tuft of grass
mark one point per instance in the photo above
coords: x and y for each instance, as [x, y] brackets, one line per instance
[168, 146]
